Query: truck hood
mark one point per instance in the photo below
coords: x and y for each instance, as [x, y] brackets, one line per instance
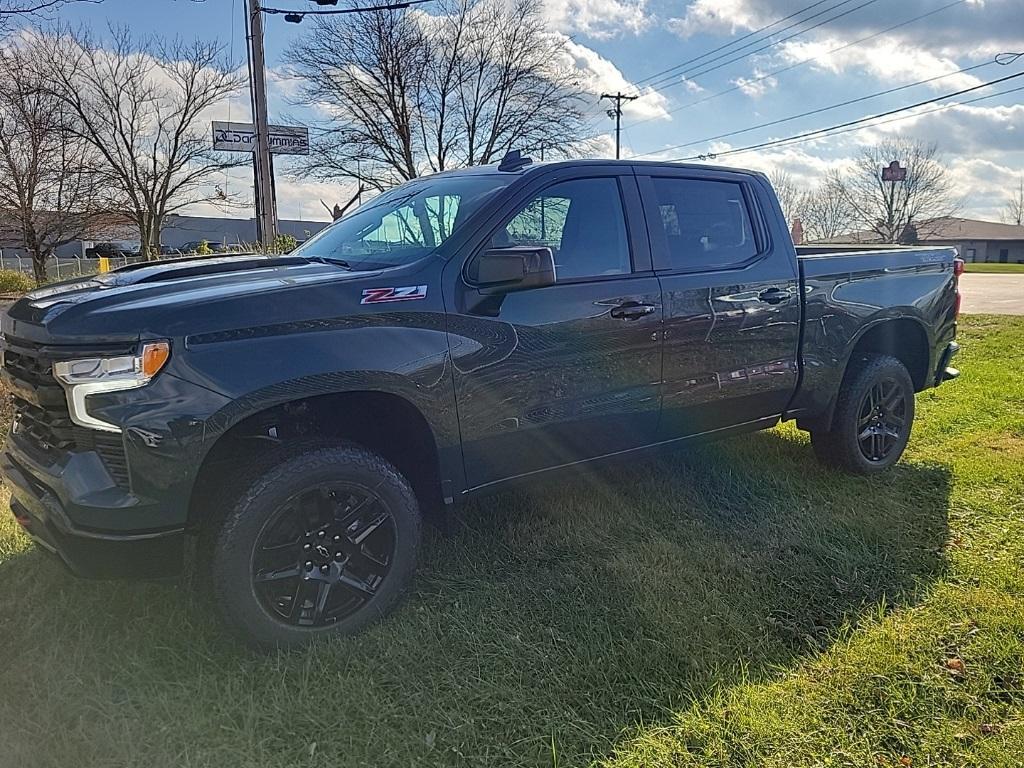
[157, 298]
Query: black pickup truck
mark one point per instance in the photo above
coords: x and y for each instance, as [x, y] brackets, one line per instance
[285, 423]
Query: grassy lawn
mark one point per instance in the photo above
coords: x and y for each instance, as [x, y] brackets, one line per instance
[1004, 269]
[730, 606]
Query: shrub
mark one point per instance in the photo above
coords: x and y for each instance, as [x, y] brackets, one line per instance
[203, 249]
[283, 244]
[13, 281]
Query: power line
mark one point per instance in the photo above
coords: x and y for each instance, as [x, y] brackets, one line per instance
[800, 63]
[729, 43]
[790, 67]
[850, 123]
[689, 75]
[793, 141]
[297, 16]
[658, 86]
[998, 60]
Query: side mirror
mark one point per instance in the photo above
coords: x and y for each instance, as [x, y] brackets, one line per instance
[516, 268]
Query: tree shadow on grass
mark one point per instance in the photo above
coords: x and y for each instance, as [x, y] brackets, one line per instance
[550, 622]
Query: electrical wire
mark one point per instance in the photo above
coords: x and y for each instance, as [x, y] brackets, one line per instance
[810, 135]
[794, 141]
[689, 75]
[789, 67]
[335, 11]
[1001, 60]
[728, 44]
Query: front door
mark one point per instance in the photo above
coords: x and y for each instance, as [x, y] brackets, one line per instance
[732, 302]
[556, 375]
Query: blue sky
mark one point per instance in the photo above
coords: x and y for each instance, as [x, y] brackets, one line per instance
[620, 44]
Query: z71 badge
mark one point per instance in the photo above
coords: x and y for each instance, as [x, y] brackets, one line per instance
[384, 295]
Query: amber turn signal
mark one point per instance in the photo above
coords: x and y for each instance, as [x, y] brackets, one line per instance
[154, 356]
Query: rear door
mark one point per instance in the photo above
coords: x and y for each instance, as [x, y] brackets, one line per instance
[732, 304]
[565, 373]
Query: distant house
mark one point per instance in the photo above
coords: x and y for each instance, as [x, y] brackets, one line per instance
[974, 239]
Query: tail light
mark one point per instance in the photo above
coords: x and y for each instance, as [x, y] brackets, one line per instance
[958, 269]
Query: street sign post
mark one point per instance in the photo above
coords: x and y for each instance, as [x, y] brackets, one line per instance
[241, 137]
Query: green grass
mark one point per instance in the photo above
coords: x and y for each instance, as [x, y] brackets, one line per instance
[1003, 269]
[731, 606]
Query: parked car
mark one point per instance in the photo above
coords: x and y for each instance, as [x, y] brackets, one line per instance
[112, 250]
[293, 419]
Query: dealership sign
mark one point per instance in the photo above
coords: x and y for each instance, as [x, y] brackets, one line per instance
[893, 172]
[241, 137]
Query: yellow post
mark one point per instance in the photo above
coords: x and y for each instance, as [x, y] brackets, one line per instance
[104, 264]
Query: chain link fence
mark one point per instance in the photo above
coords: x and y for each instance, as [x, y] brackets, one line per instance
[63, 268]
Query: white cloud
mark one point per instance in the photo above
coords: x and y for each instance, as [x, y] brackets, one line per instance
[598, 75]
[598, 18]
[718, 16]
[691, 85]
[886, 60]
[989, 25]
[756, 86]
[965, 130]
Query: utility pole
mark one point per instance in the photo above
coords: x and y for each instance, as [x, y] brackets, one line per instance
[616, 114]
[266, 207]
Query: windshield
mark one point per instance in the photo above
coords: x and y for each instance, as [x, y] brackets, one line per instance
[403, 224]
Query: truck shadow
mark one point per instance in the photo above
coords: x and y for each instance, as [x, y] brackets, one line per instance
[557, 616]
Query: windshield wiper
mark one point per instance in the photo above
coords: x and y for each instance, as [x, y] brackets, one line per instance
[330, 260]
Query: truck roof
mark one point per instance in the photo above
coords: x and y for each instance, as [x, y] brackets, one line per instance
[535, 165]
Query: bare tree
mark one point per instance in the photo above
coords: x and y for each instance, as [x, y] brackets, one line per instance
[143, 106]
[824, 211]
[12, 10]
[788, 193]
[411, 93]
[900, 211]
[1013, 211]
[49, 184]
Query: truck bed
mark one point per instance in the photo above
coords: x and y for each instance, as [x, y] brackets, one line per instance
[847, 289]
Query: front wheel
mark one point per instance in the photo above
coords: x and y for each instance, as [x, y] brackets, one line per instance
[321, 542]
[872, 419]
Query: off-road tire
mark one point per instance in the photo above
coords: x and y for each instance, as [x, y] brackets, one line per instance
[840, 446]
[256, 502]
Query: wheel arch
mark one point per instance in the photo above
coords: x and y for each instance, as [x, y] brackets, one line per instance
[386, 422]
[903, 337]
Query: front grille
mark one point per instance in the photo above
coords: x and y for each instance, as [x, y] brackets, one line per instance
[49, 429]
[32, 370]
[46, 424]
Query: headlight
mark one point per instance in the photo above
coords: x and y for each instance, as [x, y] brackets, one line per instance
[89, 376]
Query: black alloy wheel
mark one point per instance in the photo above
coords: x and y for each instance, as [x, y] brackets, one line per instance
[324, 555]
[872, 418]
[316, 539]
[881, 420]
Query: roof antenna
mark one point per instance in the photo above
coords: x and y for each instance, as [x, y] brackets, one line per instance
[514, 161]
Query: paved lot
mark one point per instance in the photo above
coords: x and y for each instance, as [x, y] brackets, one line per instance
[992, 294]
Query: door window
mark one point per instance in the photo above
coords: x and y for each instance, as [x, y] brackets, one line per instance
[705, 223]
[581, 221]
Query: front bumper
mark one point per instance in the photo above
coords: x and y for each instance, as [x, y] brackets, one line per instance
[87, 552]
[943, 371]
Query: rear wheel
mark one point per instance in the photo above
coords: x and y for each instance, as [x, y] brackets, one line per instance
[321, 542]
[872, 419]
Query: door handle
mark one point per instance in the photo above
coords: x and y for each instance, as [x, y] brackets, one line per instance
[632, 310]
[774, 296]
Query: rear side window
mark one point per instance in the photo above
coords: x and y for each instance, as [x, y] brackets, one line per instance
[706, 223]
